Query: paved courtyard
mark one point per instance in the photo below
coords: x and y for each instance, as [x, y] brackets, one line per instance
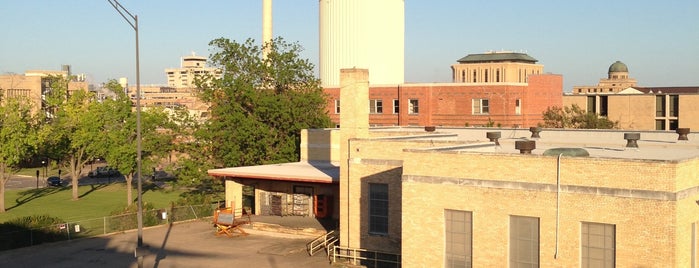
[190, 244]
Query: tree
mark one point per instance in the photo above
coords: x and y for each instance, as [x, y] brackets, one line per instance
[17, 136]
[259, 106]
[118, 142]
[575, 117]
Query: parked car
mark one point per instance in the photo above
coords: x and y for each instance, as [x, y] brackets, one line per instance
[105, 171]
[54, 181]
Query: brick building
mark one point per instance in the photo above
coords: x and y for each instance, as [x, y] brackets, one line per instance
[497, 89]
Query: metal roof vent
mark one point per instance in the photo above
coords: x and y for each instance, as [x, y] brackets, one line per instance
[535, 132]
[526, 146]
[682, 134]
[631, 139]
[494, 136]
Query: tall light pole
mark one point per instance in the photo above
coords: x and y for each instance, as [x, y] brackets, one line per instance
[133, 21]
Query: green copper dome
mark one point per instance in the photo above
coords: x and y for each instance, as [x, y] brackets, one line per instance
[618, 66]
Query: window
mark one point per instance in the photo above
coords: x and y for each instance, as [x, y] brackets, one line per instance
[474, 76]
[486, 75]
[480, 106]
[396, 107]
[378, 208]
[413, 106]
[497, 76]
[674, 105]
[598, 245]
[660, 106]
[524, 241]
[337, 106]
[591, 104]
[463, 76]
[375, 106]
[603, 107]
[518, 106]
[458, 237]
[660, 124]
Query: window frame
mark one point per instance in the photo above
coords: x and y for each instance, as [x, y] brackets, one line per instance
[413, 106]
[478, 107]
[458, 224]
[609, 244]
[376, 106]
[396, 106]
[517, 239]
[337, 106]
[378, 208]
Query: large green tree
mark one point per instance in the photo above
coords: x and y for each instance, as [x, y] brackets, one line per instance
[575, 117]
[259, 105]
[18, 139]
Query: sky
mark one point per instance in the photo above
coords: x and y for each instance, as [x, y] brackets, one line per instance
[657, 40]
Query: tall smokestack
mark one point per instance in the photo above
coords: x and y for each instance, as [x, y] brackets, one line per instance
[266, 25]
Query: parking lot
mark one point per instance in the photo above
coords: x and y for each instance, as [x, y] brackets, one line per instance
[190, 244]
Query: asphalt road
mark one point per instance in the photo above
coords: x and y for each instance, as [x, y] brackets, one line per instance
[27, 182]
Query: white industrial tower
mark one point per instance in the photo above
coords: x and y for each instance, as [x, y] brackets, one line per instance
[367, 34]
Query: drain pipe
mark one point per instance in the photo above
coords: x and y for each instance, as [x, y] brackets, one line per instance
[558, 200]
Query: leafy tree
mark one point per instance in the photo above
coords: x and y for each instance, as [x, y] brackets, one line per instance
[575, 117]
[257, 108]
[117, 144]
[18, 139]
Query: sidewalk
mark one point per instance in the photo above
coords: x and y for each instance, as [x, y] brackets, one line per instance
[190, 244]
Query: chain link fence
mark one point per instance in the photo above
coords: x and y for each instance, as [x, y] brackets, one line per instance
[17, 236]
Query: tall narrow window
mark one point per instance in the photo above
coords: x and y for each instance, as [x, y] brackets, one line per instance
[458, 237]
[497, 76]
[591, 104]
[378, 208]
[463, 76]
[598, 242]
[524, 241]
[337, 106]
[480, 106]
[413, 106]
[396, 107]
[603, 105]
[375, 106]
[674, 105]
[660, 106]
[486, 76]
[474, 76]
[518, 106]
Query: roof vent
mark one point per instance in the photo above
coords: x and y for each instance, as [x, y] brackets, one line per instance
[682, 134]
[526, 146]
[494, 136]
[631, 139]
[535, 132]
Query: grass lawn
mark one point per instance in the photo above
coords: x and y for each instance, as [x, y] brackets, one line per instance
[95, 201]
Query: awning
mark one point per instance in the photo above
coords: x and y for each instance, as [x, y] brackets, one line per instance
[315, 172]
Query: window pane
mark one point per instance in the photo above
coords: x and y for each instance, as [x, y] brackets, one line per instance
[598, 244]
[524, 241]
[378, 208]
[458, 238]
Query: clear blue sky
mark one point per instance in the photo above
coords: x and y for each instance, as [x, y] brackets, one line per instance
[658, 40]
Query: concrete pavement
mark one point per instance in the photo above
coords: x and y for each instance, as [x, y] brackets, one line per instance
[190, 244]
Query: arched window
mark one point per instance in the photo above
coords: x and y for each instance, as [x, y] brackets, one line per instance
[497, 76]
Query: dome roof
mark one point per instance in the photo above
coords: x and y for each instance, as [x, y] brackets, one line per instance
[618, 66]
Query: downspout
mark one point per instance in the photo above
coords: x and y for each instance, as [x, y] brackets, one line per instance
[349, 142]
[558, 200]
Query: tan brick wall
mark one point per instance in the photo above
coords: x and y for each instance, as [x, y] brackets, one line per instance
[320, 145]
[650, 233]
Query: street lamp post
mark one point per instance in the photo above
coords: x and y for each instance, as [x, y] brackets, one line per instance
[133, 21]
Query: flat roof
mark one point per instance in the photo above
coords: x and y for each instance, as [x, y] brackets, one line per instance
[313, 172]
[653, 145]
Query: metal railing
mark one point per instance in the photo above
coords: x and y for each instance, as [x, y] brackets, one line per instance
[368, 258]
[323, 241]
[69, 230]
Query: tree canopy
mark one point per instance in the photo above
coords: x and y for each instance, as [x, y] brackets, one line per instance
[259, 105]
[575, 117]
[17, 136]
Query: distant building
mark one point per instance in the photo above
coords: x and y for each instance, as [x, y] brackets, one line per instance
[639, 108]
[191, 67]
[36, 84]
[491, 89]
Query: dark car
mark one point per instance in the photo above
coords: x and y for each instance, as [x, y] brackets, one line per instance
[54, 181]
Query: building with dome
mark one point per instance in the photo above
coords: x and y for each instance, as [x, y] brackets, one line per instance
[619, 98]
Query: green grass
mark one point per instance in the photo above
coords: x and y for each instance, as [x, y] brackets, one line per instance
[95, 201]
